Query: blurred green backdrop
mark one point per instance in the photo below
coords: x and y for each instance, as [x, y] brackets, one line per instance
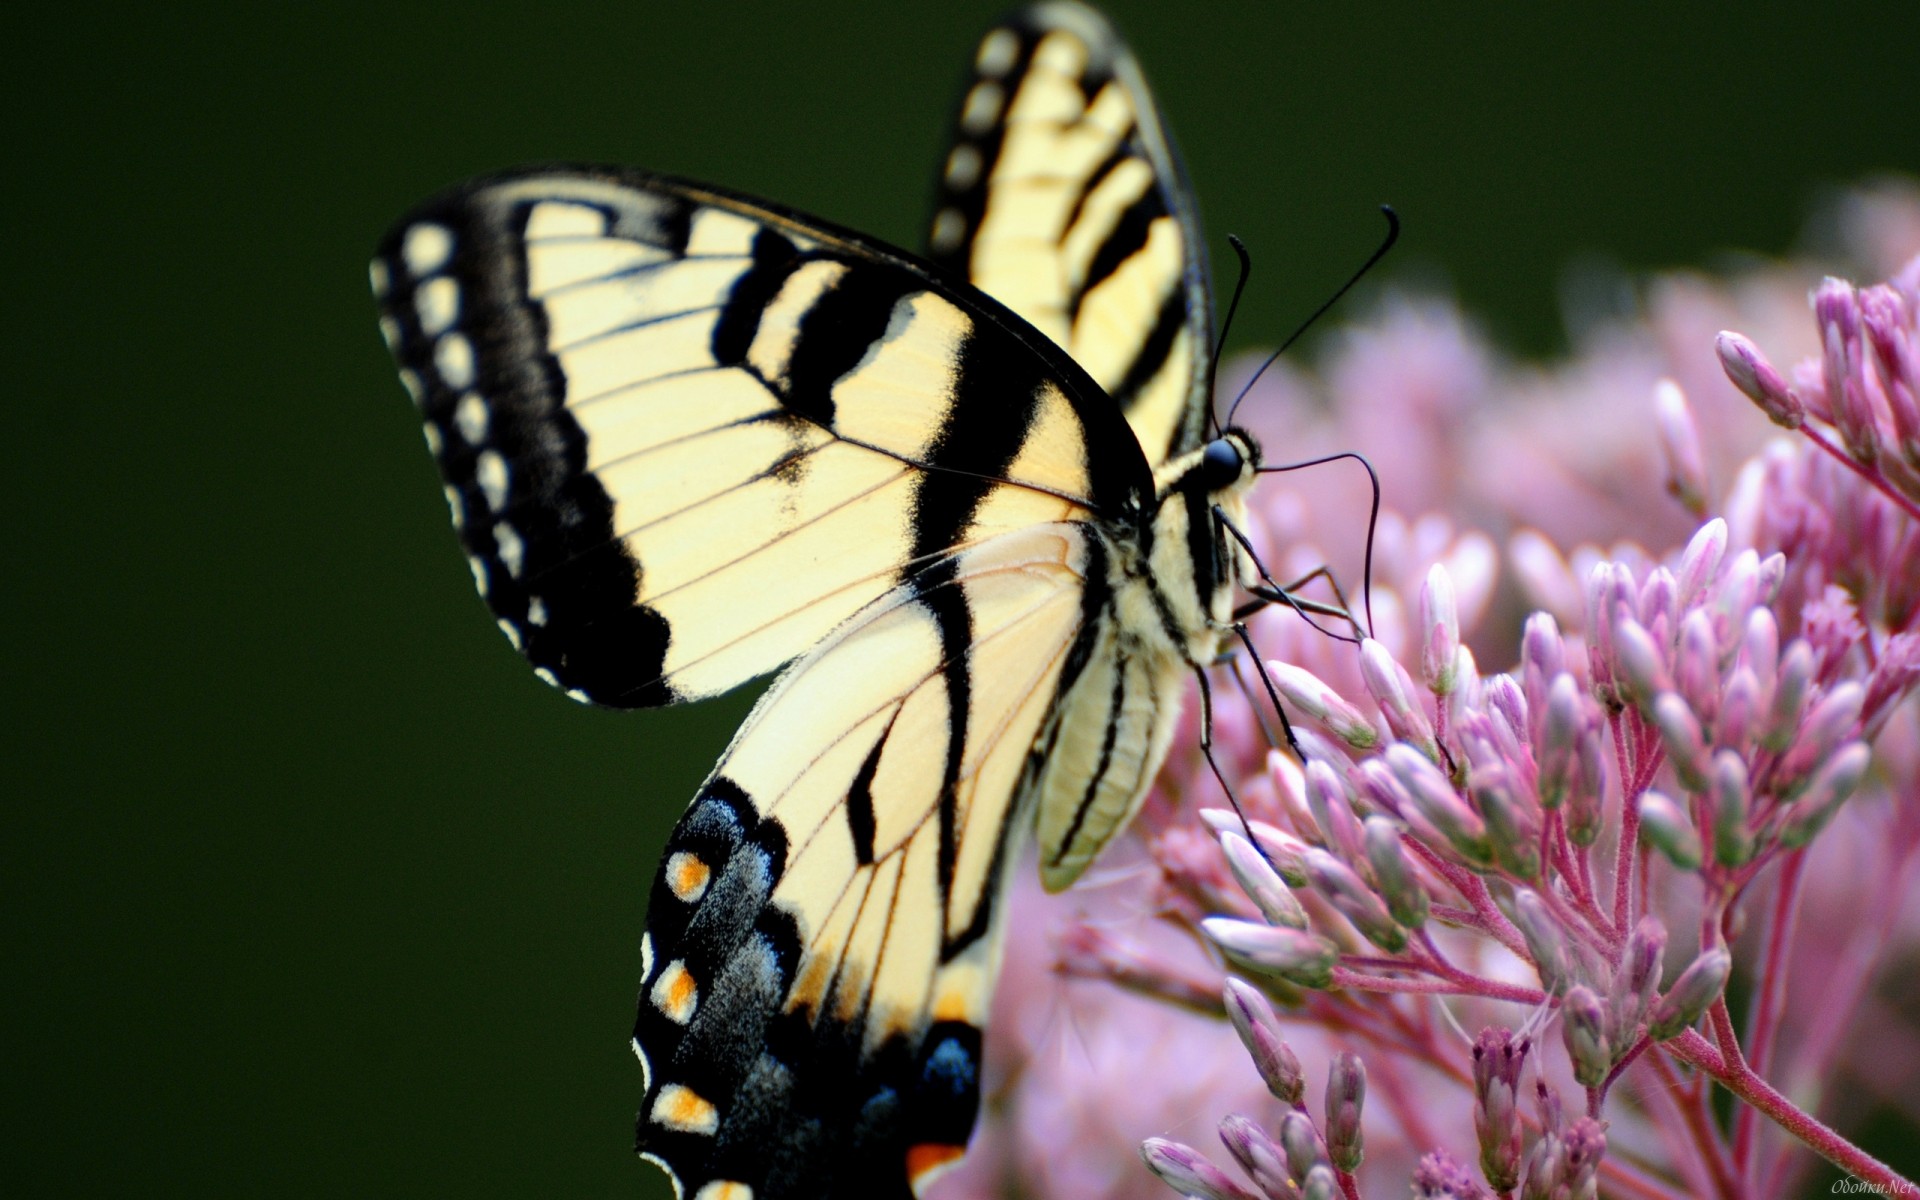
[310, 888]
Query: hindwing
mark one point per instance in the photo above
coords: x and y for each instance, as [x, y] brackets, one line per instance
[1063, 197]
[685, 434]
[823, 934]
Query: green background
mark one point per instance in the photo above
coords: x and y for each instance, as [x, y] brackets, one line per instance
[309, 887]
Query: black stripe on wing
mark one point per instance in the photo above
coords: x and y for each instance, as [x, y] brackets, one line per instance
[518, 354]
[967, 188]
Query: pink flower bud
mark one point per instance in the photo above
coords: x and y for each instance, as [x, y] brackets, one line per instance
[1825, 793]
[1433, 799]
[1680, 442]
[1387, 682]
[1732, 806]
[1740, 704]
[1331, 805]
[1291, 954]
[1700, 561]
[1188, 1172]
[1756, 378]
[1512, 828]
[1354, 900]
[1582, 1147]
[1835, 718]
[1680, 734]
[1301, 1142]
[1698, 986]
[1393, 872]
[1261, 882]
[1560, 729]
[1497, 1061]
[1440, 626]
[1696, 665]
[1838, 313]
[1587, 789]
[1635, 981]
[1306, 694]
[1546, 941]
[1666, 828]
[1320, 1184]
[1660, 604]
[1894, 678]
[1263, 1161]
[1639, 666]
[1760, 646]
[1253, 1019]
[1888, 321]
[1792, 683]
[1346, 1096]
[1583, 1023]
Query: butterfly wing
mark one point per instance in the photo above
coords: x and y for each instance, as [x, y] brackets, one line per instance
[1063, 197]
[685, 434]
[824, 932]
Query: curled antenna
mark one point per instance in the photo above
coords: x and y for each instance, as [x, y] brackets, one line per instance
[1386, 244]
[1233, 306]
[1373, 514]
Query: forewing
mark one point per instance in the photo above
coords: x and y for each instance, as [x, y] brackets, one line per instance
[1063, 198]
[824, 932]
[684, 434]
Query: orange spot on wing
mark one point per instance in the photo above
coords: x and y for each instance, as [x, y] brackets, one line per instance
[687, 875]
[929, 1159]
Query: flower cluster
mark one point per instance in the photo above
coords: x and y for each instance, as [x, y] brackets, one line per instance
[1572, 856]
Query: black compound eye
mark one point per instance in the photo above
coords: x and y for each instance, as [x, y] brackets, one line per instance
[1220, 464]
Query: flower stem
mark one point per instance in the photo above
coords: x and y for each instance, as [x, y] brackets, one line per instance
[1822, 1139]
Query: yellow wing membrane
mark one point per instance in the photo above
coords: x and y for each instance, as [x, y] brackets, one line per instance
[1063, 198]
[686, 435]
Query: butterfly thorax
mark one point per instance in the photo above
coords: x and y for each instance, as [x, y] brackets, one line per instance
[1168, 604]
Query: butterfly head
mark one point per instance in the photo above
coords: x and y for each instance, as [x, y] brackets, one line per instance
[1228, 463]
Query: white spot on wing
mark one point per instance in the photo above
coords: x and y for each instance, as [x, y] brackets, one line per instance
[578, 696]
[963, 167]
[411, 382]
[456, 506]
[513, 634]
[470, 418]
[675, 994]
[982, 107]
[949, 227]
[513, 551]
[426, 248]
[438, 303]
[536, 611]
[646, 955]
[997, 52]
[681, 1108]
[435, 442]
[453, 358]
[724, 1189]
[377, 276]
[479, 570]
[390, 332]
[556, 219]
[491, 471]
[545, 676]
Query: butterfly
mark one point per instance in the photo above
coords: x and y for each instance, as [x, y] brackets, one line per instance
[972, 502]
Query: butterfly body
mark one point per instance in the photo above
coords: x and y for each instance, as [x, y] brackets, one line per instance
[688, 437]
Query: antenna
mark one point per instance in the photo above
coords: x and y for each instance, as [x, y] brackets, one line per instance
[1386, 244]
[1233, 306]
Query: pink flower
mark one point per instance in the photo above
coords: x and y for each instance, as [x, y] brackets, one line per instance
[1683, 721]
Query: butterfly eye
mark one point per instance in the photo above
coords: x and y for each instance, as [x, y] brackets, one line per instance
[1220, 464]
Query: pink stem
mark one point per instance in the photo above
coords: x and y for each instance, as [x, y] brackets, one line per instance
[1874, 478]
[1764, 1021]
[1822, 1139]
[1466, 986]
